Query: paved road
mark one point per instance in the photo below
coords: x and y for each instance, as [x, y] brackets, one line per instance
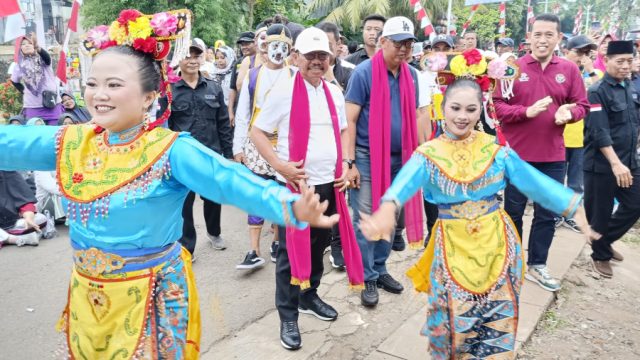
[34, 285]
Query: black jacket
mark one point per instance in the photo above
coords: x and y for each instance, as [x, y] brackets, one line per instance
[202, 112]
[612, 121]
[14, 194]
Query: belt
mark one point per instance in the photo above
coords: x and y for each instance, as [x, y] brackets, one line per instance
[96, 262]
[469, 210]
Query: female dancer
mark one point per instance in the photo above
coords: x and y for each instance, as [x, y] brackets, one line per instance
[132, 291]
[472, 268]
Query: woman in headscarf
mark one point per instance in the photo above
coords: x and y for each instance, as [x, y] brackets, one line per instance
[68, 118]
[225, 58]
[36, 121]
[34, 78]
[16, 120]
[70, 105]
[602, 51]
[20, 224]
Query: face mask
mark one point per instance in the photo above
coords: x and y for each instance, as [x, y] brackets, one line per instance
[277, 51]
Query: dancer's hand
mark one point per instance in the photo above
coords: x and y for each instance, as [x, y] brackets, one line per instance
[381, 224]
[309, 209]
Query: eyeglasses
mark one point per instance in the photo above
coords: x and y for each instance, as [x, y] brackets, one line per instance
[408, 44]
[322, 56]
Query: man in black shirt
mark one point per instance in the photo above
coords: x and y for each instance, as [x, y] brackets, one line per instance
[610, 158]
[198, 107]
[371, 27]
[247, 45]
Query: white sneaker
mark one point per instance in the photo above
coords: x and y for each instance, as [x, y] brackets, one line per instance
[32, 238]
[217, 242]
[540, 275]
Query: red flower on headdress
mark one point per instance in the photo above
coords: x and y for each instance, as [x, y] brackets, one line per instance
[484, 82]
[472, 56]
[147, 45]
[108, 44]
[128, 15]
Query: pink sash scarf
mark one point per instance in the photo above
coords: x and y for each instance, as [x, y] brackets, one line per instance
[298, 241]
[380, 141]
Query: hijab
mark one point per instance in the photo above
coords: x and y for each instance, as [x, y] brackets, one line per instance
[81, 114]
[34, 120]
[231, 58]
[32, 69]
[68, 114]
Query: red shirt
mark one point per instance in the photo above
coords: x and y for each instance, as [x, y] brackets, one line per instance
[539, 139]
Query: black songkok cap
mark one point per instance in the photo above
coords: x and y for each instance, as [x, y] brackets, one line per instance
[620, 47]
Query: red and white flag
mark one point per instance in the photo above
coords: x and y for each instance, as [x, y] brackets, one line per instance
[466, 24]
[421, 15]
[61, 71]
[502, 31]
[15, 24]
[578, 22]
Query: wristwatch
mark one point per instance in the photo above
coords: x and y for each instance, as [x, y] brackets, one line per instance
[349, 162]
[592, 74]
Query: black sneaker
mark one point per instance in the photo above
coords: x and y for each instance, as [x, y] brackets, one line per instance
[558, 221]
[290, 335]
[571, 224]
[251, 261]
[273, 251]
[318, 308]
[388, 283]
[336, 258]
[369, 296]
[398, 243]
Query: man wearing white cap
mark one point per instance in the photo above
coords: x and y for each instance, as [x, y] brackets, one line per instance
[309, 153]
[384, 99]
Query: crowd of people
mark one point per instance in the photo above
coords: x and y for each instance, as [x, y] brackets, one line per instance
[297, 128]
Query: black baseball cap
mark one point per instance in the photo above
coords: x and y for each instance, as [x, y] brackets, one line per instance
[246, 36]
[442, 38]
[505, 42]
[581, 42]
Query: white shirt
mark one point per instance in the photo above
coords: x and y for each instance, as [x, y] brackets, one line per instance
[320, 164]
[267, 80]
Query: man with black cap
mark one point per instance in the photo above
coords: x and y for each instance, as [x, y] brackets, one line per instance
[247, 44]
[247, 47]
[504, 45]
[198, 107]
[610, 161]
[442, 43]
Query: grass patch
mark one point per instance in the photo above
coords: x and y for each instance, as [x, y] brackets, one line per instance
[552, 321]
[631, 238]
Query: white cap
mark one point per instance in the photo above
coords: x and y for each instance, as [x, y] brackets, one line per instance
[312, 39]
[398, 28]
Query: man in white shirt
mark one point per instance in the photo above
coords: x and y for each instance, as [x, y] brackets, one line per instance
[259, 83]
[317, 168]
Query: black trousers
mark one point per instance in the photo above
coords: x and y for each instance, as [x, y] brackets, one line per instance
[288, 296]
[431, 210]
[211, 219]
[599, 192]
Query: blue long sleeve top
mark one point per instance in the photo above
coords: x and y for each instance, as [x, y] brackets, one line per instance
[155, 219]
[506, 166]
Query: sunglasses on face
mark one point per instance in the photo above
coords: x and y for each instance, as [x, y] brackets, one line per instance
[322, 56]
[408, 44]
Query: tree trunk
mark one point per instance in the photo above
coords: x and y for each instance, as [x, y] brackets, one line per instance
[252, 5]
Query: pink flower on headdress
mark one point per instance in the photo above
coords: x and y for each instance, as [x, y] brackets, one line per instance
[128, 15]
[164, 24]
[497, 69]
[437, 62]
[99, 35]
[171, 76]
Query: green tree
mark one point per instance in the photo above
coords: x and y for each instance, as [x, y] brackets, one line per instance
[486, 19]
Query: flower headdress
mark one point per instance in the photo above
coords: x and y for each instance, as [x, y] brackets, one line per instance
[151, 34]
[472, 64]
